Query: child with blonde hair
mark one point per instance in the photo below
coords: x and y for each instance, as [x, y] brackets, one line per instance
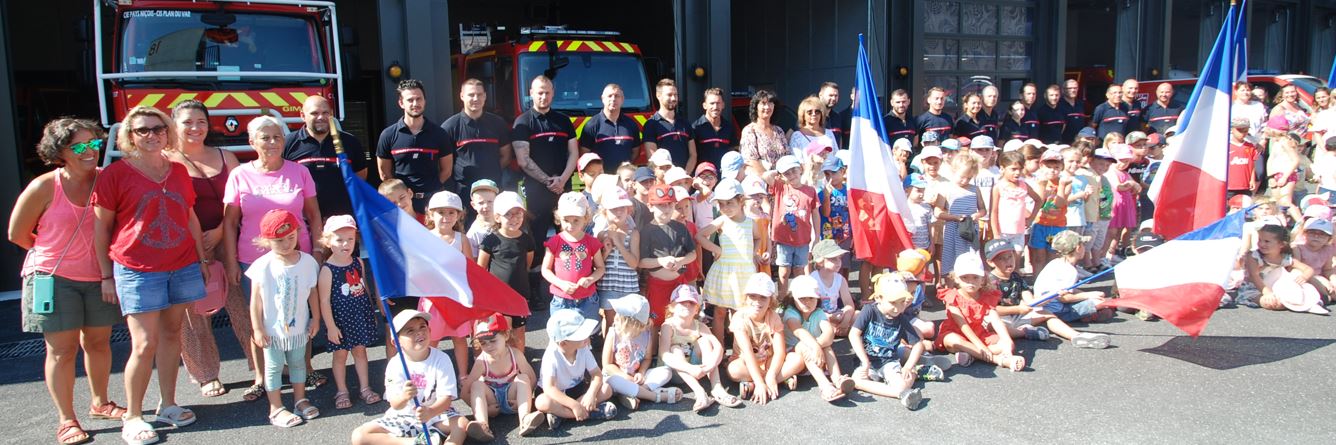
[809, 335]
[628, 353]
[687, 347]
[502, 382]
[347, 307]
[621, 252]
[285, 306]
[888, 346]
[958, 202]
[445, 213]
[574, 260]
[735, 253]
[972, 324]
[507, 254]
[758, 349]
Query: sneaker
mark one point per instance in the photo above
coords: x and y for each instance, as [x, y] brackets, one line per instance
[940, 361]
[1226, 302]
[964, 359]
[930, 373]
[436, 437]
[1091, 340]
[606, 410]
[1146, 316]
[1037, 333]
[531, 422]
[911, 398]
[553, 422]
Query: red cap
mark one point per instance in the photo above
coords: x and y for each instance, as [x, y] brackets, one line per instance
[277, 223]
[706, 167]
[491, 325]
[964, 141]
[662, 194]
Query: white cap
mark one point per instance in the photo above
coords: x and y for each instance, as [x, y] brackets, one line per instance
[931, 151]
[969, 263]
[760, 284]
[1318, 224]
[616, 198]
[1034, 142]
[632, 306]
[1148, 224]
[754, 185]
[1012, 145]
[445, 200]
[402, 318]
[681, 193]
[726, 189]
[569, 325]
[675, 174]
[804, 286]
[786, 163]
[506, 201]
[661, 157]
[572, 204]
[902, 144]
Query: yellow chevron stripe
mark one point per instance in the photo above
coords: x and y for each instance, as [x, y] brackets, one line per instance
[182, 98]
[535, 46]
[594, 46]
[300, 96]
[150, 100]
[612, 46]
[245, 99]
[215, 99]
[274, 99]
[641, 119]
[628, 47]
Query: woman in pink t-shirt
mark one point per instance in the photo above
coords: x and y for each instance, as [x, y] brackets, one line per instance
[253, 189]
[52, 221]
[149, 249]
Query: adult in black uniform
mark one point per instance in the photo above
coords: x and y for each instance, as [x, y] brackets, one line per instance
[312, 147]
[899, 124]
[970, 123]
[546, 148]
[934, 120]
[481, 141]
[666, 130]
[1135, 106]
[713, 134]
[414, 148]
[1162, 115]
[992, 114]
[836, 121]
[1073, 111]
[1050, 116]
[1111, 116]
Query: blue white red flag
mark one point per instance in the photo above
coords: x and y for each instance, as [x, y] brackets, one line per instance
[877, 202]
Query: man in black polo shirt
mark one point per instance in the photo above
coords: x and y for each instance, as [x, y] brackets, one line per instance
[311, 146]
[1162, 115]
[481, 141]
[836, 122]
[414, 149]
[1134, 105]
[1030, 97]
[899, 125]
[546, 148]
[1050, 116]
[934, 119]
[1073, 111]
[713, 134]
[991, 115]
[1110, 116]
[614, 136]
[666, 130]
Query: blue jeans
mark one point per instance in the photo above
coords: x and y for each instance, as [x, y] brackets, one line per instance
[1070, 312]
[142, 292]
[587, 306]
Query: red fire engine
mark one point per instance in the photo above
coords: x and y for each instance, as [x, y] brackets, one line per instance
[242, 59]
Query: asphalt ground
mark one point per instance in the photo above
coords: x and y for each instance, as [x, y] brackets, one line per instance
[1256, 376]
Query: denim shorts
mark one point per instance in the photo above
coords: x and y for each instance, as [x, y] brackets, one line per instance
[1070, 312]
[605, 298]
[1039, 235]
[587, 306]
[142, 292]
[502, 394]
[790, 256]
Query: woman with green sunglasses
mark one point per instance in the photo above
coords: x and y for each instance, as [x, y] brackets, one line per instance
[51, 220]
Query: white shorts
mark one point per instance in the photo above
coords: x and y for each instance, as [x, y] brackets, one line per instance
[1098, 231]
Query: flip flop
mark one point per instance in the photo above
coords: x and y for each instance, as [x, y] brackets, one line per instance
[479, 432]
[831, 394]
[284, 419]
[214, 388]
[176, 416]
[722, 396]
[70, 433]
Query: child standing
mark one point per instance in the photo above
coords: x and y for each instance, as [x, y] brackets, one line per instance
[574, 260]
[398, 193]
[482, 197]
[621, 253]
[1069, 306]
[628, 353]
[834, 197]
[1099, 227]
[508, 253]
[757, 209]
[445, 212]
[348, 308]
[972, 324]
[920, 211]
[758, 349]
[1124, 216]
[687, 347]
[422, 395]
[501, 381]
[1051, 208]
[887, 345]
[1010, 216]
[809, 335]
[795, 210]
[831, 286]
[284, 303]
[573, 386]
[1081, 188]
[735, 253]
[666, 248]
[958, 202]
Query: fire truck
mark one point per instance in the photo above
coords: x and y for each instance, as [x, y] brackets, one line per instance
[579, 62]
[241, 58]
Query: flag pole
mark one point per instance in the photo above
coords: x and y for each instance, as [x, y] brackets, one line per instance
[384, 301]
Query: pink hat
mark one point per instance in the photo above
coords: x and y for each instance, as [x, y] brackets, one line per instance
[1278, 122]
[1318, 212]
[586, 158]
[1121, 152]
[818, 145]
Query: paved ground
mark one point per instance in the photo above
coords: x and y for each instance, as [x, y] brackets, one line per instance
[1257, 376]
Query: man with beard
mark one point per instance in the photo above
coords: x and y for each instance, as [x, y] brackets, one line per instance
[312, 147]
[610, 134]
[665, 130]
[1030, 97]
[713, 134]
[481, 141]
[546, 148]
[836, 121]
[935, 120]
[414, 148]
[1050, 116]
[899, 125]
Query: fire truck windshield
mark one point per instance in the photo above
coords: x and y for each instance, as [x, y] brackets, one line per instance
[177, 40]
[580, 83]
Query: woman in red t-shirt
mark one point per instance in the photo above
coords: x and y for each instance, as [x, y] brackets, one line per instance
[148, 245]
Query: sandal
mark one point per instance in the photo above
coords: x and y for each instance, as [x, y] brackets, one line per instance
[309, 412]
[702, 402]
[284, 419]
[253, 393]
[719, 394]
[1017, 363]
[315, 380]
[831, 394]
[370, 397]
[479, 431]
[341, 400]
[71, 433]
[846, 384]
[106, 411]
[214, 388]
[138, 432]
[175, 416]
[630, 402]
[668, 394]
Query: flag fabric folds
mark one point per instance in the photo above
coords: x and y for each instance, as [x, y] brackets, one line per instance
[1182, 280]
[878, 206]
[1189, 191]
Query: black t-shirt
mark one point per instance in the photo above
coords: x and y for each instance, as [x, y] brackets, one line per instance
[1160, 118]
[614, 142]
[1135, 109]
[672, 239]
[672, 136]
[508, 261]
[1050, 123]
[477, 144]
[1110, 119]
[1074, 115]
[640, 213]
[1017, 130]
[548, 135]
[319, 157]
[1012, 288]
[711, 144]
[416, 156]
[1137, 170]
[936, 123]
[897, 128]
[838, 122]
[992, 121]
[968, 128]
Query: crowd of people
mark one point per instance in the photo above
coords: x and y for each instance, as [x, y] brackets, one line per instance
[678, 257]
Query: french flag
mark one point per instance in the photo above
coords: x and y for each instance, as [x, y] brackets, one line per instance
[1189, 191]
[408, 261]
[877, 198]
[1182, 280]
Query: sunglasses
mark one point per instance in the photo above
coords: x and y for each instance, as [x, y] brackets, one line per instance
[142, 132]
[80, 148]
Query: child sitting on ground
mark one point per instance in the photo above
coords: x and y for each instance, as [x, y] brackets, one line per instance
[1273, 278]
[501, 381]
[1023, 320]
[887, 346]
[1317, 251]
[628, 353]
[422, 395]
[972, 324]
[687, 347]
[833, 289]
[1061, 274]
[758, 349]
[808, 334]
[573, 386]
